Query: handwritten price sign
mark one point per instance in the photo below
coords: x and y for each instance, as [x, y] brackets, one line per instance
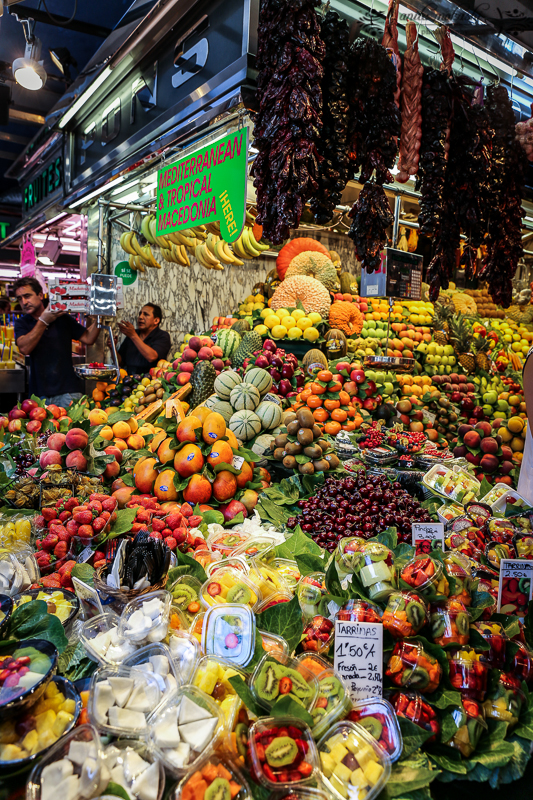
[516, 584]
[359, 657]
[427, 536]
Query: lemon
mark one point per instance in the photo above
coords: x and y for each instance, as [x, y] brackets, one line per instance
[315, 318]
[295, 333]
[282, 312]
[262, 330]
[278, 331]
[516, 346]
[288, 322]
[304, 322]
[507, 337]
[311, 334]
[298, 314]
[145, 381]
[266, 312]
[250, 299]
[271, 321]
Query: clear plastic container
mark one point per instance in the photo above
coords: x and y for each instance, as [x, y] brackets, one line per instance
[359, 611]
[184, 732]
[271, 642]
[379, 718]
[347, 555]
[157, 660]
[293, 743]
[311, 590]
[523, 543]
[495, 636]
[468, 674]
[256, 547]
[60, 602]
[26, 668]
[353, 764]
[132, 766]
[494, 494]
[288, 569]
[496, 551]
[229, 586]
[56, 773]
[313, 662]
[449, 623]
[425, 575]
[101, 639]
[405, 614]
[410, 667]
[506, 700]
[177, 621]
[185, 593]
[197, 626]
[459, 486]
[145, 620]
[413, 707]
[268, 581]
[212, 677]
[121, 699]
[331, 704]
[237, 562]
[511, 499]
[277, 675]
[273, 600]
[216, 769]
[318, 634]
[229, 632]
[470, 722]
[307, 793]
[458, 567]
[186, 652]
[17, 572]
[522, 664]
[226, 542]
[449, 511]
[375, 570]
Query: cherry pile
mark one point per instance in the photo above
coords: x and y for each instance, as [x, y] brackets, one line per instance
[411, 441]
[23, 460]
[362, 505]
[372, 437]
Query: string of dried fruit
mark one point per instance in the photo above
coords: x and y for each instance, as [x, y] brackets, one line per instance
[509, 165]
[390, 42]
[411, 97]
[335, 170]
[371, 216]
[289, 121]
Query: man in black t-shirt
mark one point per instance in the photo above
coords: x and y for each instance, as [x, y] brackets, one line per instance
[46, 337]
[144, 346]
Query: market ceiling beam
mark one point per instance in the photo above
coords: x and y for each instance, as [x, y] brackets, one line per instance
[14, 137]
[89, 28]
[21, 115]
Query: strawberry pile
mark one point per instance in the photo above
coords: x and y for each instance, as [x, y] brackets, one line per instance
[175, 528]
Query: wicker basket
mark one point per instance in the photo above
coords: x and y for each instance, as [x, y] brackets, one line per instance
[125, 595]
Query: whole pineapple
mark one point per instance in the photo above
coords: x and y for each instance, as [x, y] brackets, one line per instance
[441, 323]
[482, 349]
[461, 339]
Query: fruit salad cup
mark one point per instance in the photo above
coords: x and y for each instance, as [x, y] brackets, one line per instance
[283, 752]
[375, 569]
[318, 634]
[470, 724]
[515, 595]
[217, 779]
[505, 702]
[522, 663]
[229, 632]
[288, 569]
[413, 707]
[25, 668]
[311, 590]
[425, 575]
[496, 551]
[459, 543]
[378, 717]
[468, 674]
[226, 542]
[267, 580]
[256, 547]
[405, 614]
[523, 543]
[237, 562]
[495, 636]
[410, 667]
[499, 530]
[353, 764]
[197, 626]
[359, 611]
[331, 704]
[313, 663]
[449, 623]
[457, 566]
[277, 675]
[186, 596]
[347, 555]
[229, 586]
[212, 677]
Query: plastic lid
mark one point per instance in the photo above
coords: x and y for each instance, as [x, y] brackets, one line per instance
[273, 668]
[331, 704]
[226, 542]
[145, 619]
[229, 586]
[229, 632]
[215, 768]
[185, 650]
[256, 547]
[236, 562]
[272, 641]
[381, 721]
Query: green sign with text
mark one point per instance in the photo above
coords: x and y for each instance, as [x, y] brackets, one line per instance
[206, 186]
[124, 271]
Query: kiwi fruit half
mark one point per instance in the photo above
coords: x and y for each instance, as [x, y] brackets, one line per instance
[240, 593]
[281, 751]
[438, 626]
[219, 789]
[417, 679]
[415, 613]
[241, 737]
[300, 687]
[330, 686]
[182, 594]
[462, 621]
[267, 682]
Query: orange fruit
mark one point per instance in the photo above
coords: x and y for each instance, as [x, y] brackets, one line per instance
[316, 388]
[97, 395]
[314, 401]
[320, 414]
[332, 427]
[324, 375]
[330, 405]
[339, 415]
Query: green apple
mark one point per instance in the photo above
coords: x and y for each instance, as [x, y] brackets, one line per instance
[440, 350]
[422, 348]
[490, 398]
[432, 348]
[438, 359]
[380, 377]
[364, 333]
[452, 361]
[370, 375]
[441, 370]
[488, 410]
[371, 323]
[448, 370]
[388, 388]
[503, 405]
[429, 370]
[430, 359]
[448, 350]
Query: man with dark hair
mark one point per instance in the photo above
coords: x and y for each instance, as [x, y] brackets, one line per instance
[46, 337]
[145, 345]
[5, 305]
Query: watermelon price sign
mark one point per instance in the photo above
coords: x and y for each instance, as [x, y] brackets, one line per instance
[206, 186]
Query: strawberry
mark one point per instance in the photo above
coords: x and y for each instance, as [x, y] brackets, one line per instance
[166, 532]
[113, 517]
[52, 581]
[194, 521]
[71, 503]
[105, 515]
[156, 535]
[186, 510]
[144, 516]
[174, 520]
[61, 549]
[95, 505]
[171, 543]
[43, 559]
[49, 542]
[99, 555]
[199, 542]
[158, 525]
[72, 527]
[109, 504]
[66, 569]
[64, 515]
[66, 582]
[180, 535]
[56, 528]
[137, 526]
[99, 497]
[49, 513]
[38, 544]
[40, 521]
[63, 536]
[99, 524]
[84, 517]
[86, 531]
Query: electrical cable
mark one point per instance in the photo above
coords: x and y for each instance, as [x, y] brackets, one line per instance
[56, 21]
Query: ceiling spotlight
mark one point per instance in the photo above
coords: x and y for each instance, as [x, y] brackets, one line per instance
[63, 60]
[50, 252]
[29, 71]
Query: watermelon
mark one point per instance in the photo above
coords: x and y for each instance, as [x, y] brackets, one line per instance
[223, 408]
[245, 425]
[245, 396]
[270, 414]
[228, 340]
[225, 383]
[259, 378]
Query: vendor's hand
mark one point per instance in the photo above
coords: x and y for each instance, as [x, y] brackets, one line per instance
[51, 316]
[127, 329]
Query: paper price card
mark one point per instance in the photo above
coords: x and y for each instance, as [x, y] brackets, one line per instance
[516, 583]
[359, 657]
[427, 536]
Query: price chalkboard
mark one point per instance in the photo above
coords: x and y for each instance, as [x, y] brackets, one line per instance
[358, 657]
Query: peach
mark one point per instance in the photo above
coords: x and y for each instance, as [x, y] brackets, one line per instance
[111, 470]
[121, 430]
[472, 439]
[120, 443]
[231, 509]
[115, 451]
[186, 429]
[107, 433]
[56, 441]
[224, 486]
[76, 460]
[146, 430]
[249, 499]
[34, 426]
[48, 458]
[135, 441]
[489, 445]
[489, 463]
[97, 417]
[76, 439]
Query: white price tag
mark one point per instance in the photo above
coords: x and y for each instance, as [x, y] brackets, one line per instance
[427, 536]
[85, 555]
[428, 416]
[359, 657]
[91, 605]
[372, 291]
[516, 582]
[237, 462]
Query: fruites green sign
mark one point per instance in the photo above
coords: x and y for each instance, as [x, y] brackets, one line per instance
[208, 185]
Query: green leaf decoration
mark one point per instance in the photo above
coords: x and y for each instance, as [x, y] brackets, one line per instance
[116, 790]
[308, 563]
[298, 544]
[246, 695]
[124, 521]
[413, 736]
[283, 619]
[83, 572]
[286, 706]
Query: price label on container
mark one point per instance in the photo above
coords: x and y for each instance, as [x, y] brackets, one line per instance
[208, 185]
[427, 536]
[516, 583]
[359, 657]
[90, 602]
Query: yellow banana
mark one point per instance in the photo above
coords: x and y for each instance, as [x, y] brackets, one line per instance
[211, 242]
[145, 229]
[238, 247]
[131, 262]
[257, 245]
[200, 257]
[182, 238]
[176, 250]
[185, 255]
[139, 263]
[221, 254]
[248, 245]
[208, 255]
[122, 237]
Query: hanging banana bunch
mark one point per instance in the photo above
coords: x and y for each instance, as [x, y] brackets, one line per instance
[139, 256]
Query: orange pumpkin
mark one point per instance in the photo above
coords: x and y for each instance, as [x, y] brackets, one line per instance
[294, 248]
